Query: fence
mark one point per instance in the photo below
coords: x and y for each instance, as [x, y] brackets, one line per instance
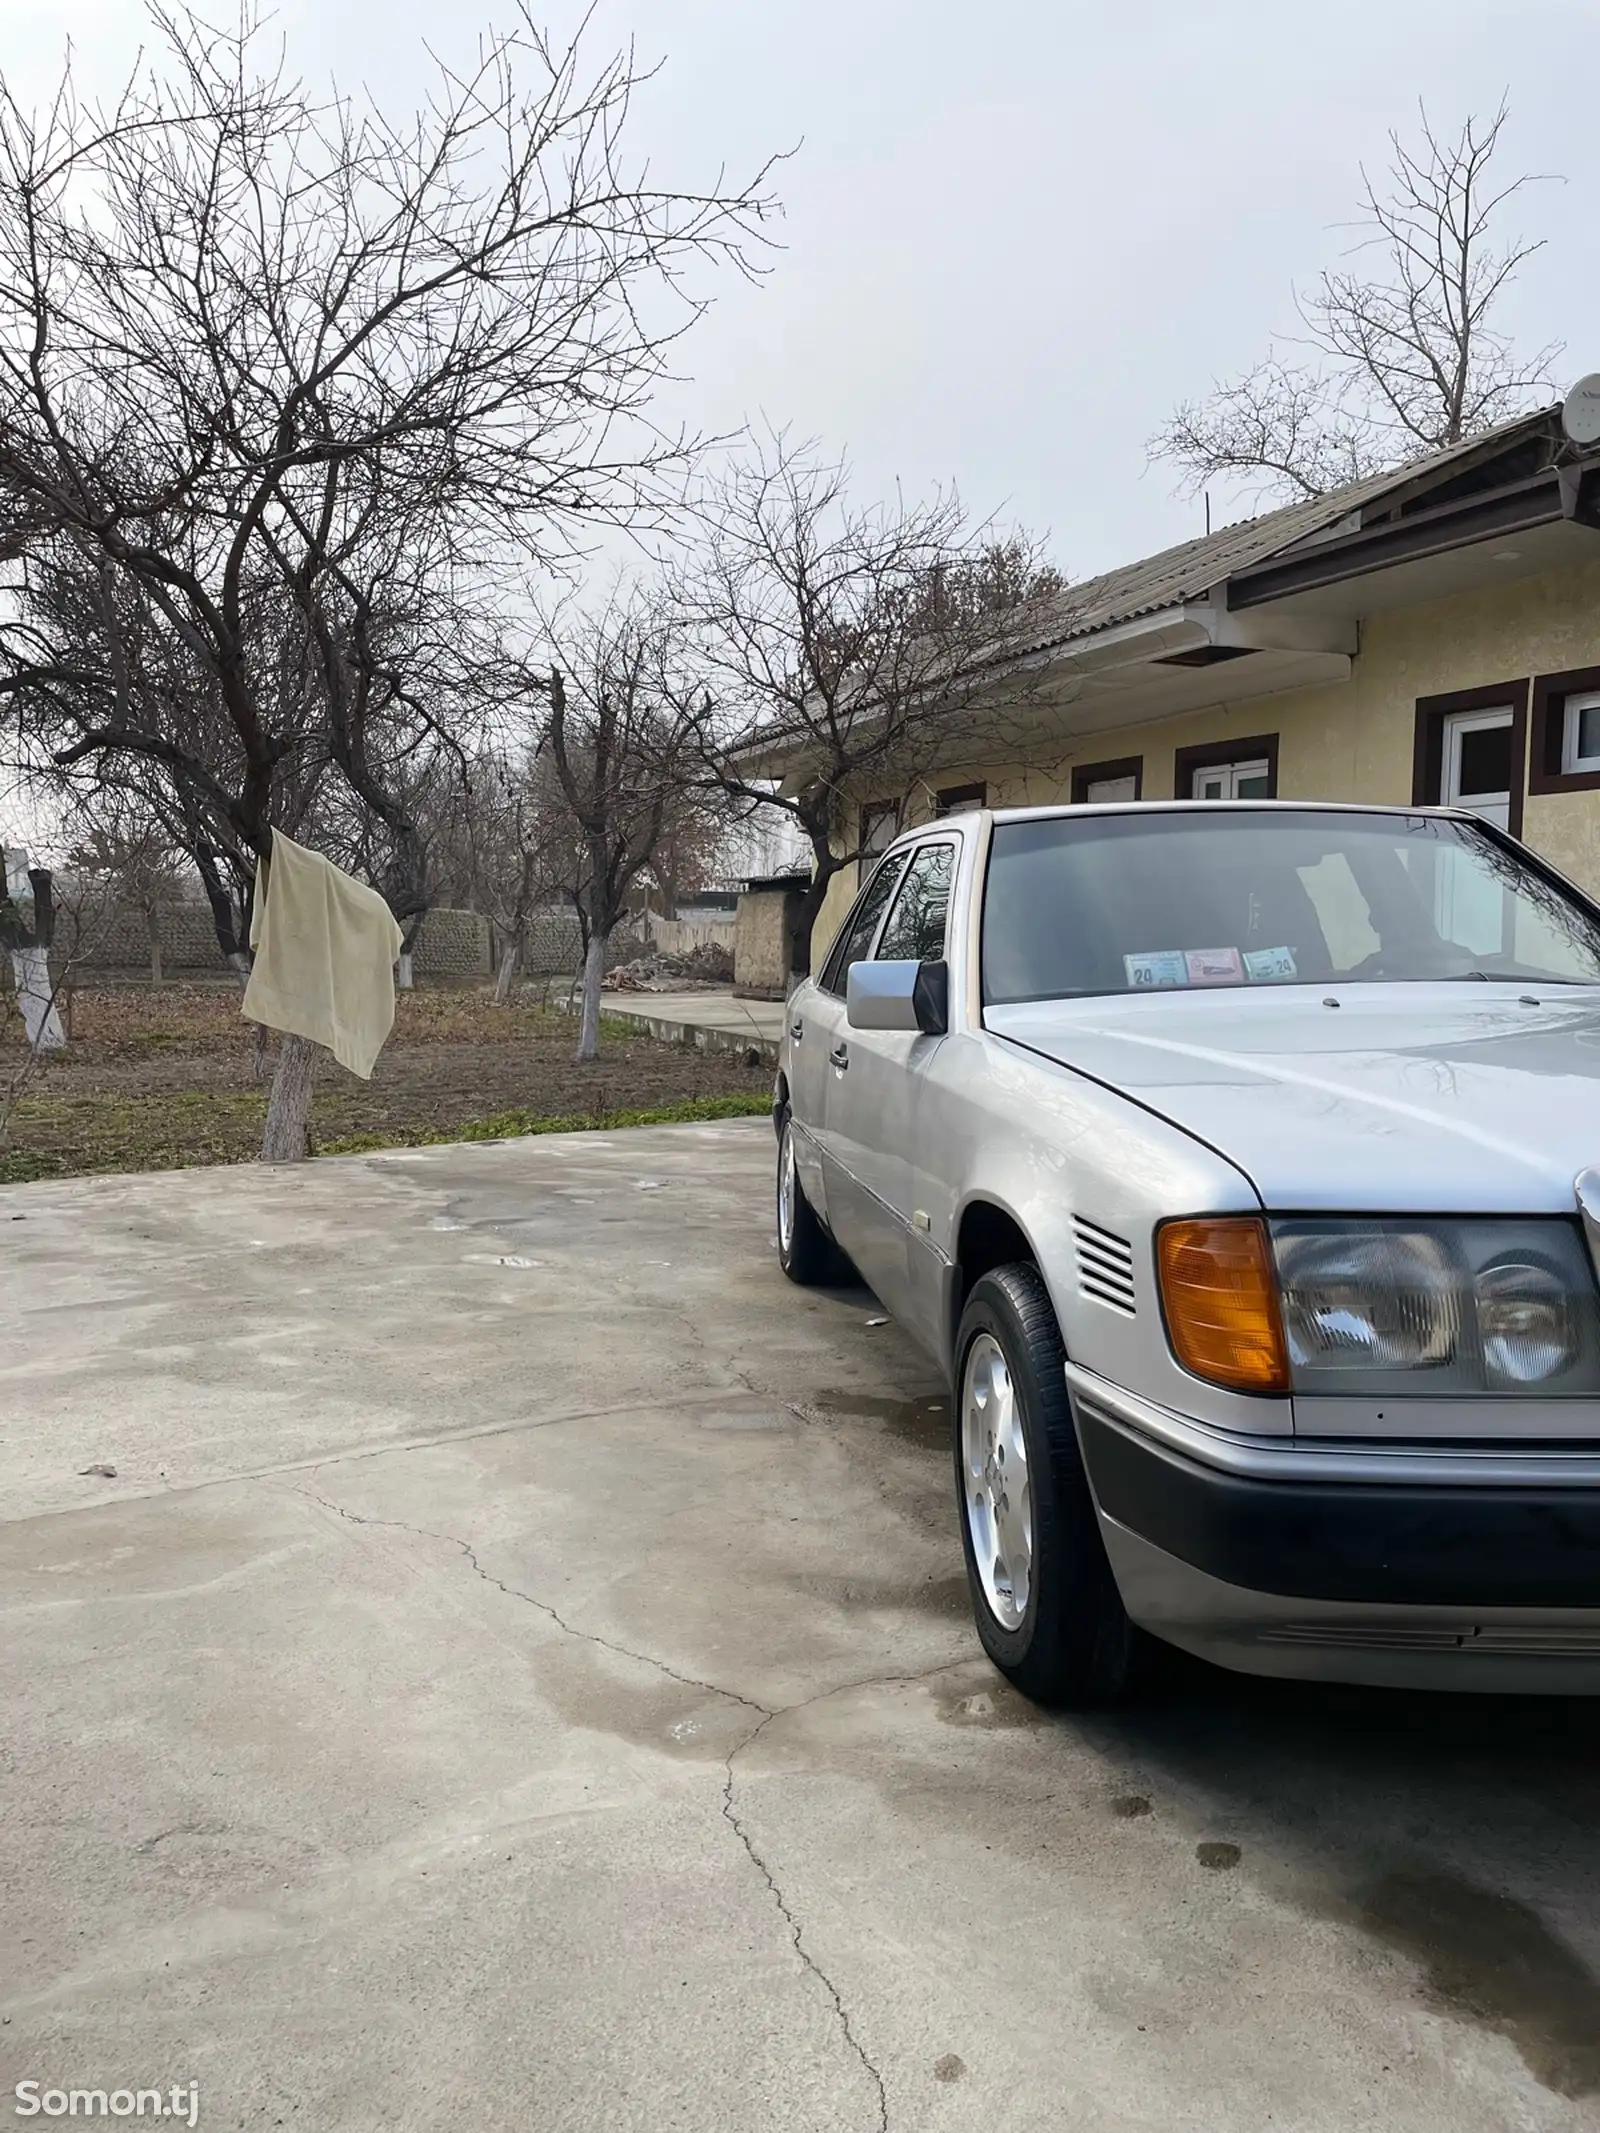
[681, 936]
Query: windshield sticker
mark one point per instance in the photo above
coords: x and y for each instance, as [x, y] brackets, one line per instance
[1214, 966]
[1164, 967]
[1270, 963]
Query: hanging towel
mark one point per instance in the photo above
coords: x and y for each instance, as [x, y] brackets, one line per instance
[324, 946]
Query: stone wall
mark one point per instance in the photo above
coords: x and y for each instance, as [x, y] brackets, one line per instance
[452, 944]
[121, 941]
[554, 946]
[761, 949]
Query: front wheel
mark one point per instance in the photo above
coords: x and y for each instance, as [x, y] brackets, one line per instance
[805, 1250]
[1046, 1604]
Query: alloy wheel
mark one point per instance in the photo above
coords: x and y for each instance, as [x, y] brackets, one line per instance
[999, 1502]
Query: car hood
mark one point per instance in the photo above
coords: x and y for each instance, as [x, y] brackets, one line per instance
[1466, 1098]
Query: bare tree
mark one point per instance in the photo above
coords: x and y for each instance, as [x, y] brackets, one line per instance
[619, 759]
[492, 835]
[128, 851]
[1401, 352]
[265, 356]
[845, 643]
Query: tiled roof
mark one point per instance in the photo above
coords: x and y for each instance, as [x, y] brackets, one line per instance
[1193, 567]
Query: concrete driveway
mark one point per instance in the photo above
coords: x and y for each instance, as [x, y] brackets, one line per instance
[519, 1677]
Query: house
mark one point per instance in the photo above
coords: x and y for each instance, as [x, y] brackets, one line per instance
[1430, 634]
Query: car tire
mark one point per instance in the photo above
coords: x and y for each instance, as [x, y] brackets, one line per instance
[1065, 1637]
[807, 1254]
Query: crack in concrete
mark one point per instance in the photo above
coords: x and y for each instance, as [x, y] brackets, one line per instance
[730, 1813]
[395, 1448]
[543, 1607]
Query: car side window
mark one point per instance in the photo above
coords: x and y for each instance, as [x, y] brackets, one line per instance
[915, 929]
[854, 944]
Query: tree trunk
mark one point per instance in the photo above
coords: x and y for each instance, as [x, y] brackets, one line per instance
[403, 971]
[260, 1052]
[506, 976]
[152, 927]
[36, 997]
[594, 965]
[805, 919]
[232, 928]
[287, 1137]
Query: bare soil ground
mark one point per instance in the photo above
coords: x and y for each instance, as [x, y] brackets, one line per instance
[157, 1078]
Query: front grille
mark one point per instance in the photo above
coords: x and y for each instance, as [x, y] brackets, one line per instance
[1105, 1265]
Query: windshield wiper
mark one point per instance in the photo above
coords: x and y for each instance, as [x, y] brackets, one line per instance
[1514, 977]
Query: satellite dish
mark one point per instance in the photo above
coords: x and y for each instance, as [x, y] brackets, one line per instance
[1580, 411]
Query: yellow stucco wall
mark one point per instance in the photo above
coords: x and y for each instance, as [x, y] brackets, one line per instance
[1354, 739]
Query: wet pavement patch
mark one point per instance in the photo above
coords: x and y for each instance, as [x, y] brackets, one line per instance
[949, 2068]
[1218, 1857]
[931, 1595]
[1127, 1806]
[925, 1420]
[1492, 1961]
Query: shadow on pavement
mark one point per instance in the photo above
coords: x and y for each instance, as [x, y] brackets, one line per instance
[1461, 1832]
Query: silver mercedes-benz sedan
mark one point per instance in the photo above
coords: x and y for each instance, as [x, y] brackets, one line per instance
[1234, 1160]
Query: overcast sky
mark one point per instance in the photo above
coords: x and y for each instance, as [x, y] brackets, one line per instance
[1015, 234]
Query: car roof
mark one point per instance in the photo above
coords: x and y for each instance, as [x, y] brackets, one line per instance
[969, 819]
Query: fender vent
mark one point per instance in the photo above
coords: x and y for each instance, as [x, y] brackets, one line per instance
[1105, 1265]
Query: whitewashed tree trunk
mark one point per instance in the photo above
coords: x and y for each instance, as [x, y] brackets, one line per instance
[594, 965]
[506, 976]
[36, 997]
[402, 971]
[287, 1136]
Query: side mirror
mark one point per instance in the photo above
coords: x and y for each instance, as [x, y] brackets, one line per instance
[904, 996]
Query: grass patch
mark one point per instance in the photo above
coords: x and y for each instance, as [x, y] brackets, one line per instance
[70, 1136]
[158, 1079]
[99, 1136]
[516, 1125]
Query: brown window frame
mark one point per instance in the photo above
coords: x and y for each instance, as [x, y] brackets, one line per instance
[1547, 731]
[1123, 766]
[1427, 746]
[954, 799]
[1211, 755]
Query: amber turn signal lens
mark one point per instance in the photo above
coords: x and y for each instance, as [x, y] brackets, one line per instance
[1221, 1299]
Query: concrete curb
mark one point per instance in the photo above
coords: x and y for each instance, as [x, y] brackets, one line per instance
[671, 1030]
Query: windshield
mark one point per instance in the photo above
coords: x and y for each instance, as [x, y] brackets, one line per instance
[1157, 902]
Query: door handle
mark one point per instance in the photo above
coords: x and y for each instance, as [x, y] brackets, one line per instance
[797, 1029]
[839, 1057]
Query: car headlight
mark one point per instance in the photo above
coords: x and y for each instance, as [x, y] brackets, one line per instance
[1527, 1322]
[1444, 1308]
[1367, 1300]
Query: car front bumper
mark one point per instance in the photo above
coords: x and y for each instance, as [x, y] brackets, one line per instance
[1410, 1566]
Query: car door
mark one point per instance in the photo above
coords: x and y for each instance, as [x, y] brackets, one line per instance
[815, 1025]
[872, 1088]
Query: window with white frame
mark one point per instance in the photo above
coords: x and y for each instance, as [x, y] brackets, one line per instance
[1234, 781]
[1580, 733]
